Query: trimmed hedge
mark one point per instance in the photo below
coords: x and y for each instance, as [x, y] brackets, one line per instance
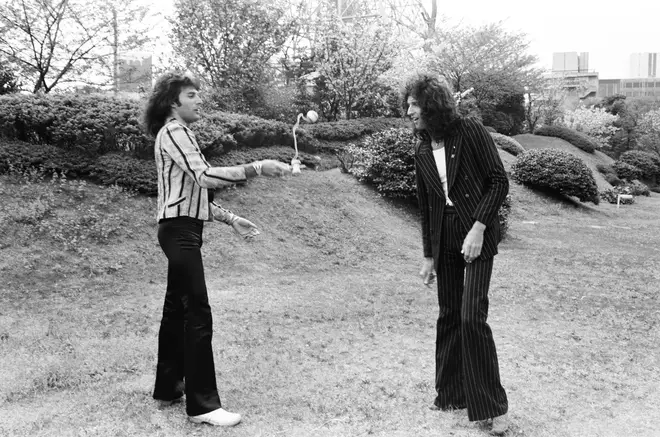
[557, 170]
[346, 130]
[507, 144]
[578, 139]
[648, 163]
[115, 168]
[96, 125]
[626, 171]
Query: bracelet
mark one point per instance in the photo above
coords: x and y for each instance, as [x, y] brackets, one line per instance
[257, 167]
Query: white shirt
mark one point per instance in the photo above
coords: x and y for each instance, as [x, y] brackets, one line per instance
[441, 162]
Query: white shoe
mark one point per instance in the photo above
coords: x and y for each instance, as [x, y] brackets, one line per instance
[217, 417]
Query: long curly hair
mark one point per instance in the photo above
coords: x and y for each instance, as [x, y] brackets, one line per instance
[434, 97]
[165, 93]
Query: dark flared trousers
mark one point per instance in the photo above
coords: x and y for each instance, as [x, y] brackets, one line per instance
[467, 372]
[184, 339]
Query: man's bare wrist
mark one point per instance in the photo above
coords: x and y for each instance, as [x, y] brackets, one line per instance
[250, 171]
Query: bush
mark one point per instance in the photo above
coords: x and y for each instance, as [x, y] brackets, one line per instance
[634, 188]
[138, 175]
[612, 179]
[637, 188]
[578, 139]
[556, 170]
[386, 161]
[626, 171]
[491, 129]
[507, 144]
[648, 163]
[611, 195]
[346, 130]
[96, 125]
[605, 169]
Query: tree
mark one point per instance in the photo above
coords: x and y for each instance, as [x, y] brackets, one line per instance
[543, 103]
[350, 58]
[491, 60]
[595, 122]
[229, 43]
[631, 113]
[411, 17]
[8, 80]
[57, 41]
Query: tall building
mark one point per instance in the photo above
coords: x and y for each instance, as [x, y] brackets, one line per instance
[570, 61]
[573, 70]
[643, 65]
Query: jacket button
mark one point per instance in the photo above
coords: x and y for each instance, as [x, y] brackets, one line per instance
[467, 195]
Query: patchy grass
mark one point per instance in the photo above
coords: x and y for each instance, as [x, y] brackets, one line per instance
[322, 327]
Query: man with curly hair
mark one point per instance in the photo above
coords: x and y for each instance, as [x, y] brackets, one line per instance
[186, 182]
[461, 184]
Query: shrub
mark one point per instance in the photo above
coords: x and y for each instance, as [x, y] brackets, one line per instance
[605, 169]
[557, 170]
[578, 139]
[611, 196]
[634, 188]
[637, 188]
[612, 179]
[138, 175]
[490, 129]
[386, 161]
[648, 163]
[346, 130]
[507, 144]
[626, 171]
[99, 124]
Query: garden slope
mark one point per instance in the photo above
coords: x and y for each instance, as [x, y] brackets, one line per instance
[529, 141]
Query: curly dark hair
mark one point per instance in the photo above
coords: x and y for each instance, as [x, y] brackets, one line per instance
[165, 92]
[438, 107]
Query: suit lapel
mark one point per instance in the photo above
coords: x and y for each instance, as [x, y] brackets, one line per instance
[430, 168]
[452, 156]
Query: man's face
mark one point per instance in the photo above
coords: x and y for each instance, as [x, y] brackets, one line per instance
[189, 109]
[415, 113]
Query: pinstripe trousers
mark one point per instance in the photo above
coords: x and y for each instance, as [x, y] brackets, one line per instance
[467, 371]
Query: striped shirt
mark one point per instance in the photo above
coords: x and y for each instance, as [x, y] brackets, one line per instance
[184, 175]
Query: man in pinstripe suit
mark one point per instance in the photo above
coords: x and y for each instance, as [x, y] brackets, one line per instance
[185, 185]
[461, 184]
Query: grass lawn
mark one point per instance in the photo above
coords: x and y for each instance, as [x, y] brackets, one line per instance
[322, 327]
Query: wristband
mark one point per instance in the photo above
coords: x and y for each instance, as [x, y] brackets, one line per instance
[257, 167]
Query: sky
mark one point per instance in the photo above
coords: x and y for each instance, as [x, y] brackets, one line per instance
[609, 31]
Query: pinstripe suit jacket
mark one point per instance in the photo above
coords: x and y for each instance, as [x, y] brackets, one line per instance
[184, 176]
[476, 180]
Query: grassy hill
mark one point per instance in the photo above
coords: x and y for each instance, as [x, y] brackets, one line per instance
[530, 141]
[322, 327]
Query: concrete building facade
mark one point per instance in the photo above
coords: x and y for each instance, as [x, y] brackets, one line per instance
[643, 65]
